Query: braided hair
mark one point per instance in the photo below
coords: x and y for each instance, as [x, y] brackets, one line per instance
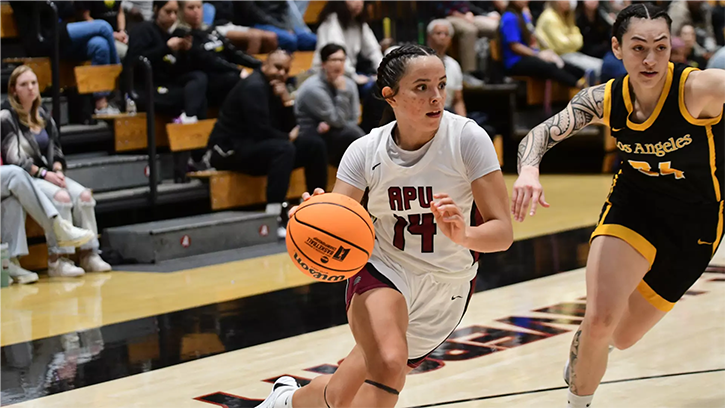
[646, 11]
[392, 68]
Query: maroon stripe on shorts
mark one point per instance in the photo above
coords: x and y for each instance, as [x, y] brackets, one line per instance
[366, 280]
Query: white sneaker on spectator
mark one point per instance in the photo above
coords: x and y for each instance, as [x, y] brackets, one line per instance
[186, 119]
[19, 274]
[108, 110]
[64, 268]
[93, 263]
[70, 236]
[471, 81]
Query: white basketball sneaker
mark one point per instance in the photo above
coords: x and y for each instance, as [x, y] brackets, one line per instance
[281, 395]
[70, 236]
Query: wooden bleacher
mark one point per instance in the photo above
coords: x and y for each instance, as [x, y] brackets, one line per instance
[8, 29]
[230, 189]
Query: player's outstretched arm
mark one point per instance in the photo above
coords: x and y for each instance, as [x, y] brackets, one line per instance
[705, 91]
[585, 108]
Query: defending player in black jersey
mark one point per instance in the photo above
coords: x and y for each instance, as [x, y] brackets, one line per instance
[663, 219]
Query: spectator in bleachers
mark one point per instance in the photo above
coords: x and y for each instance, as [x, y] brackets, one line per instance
[221, 59]
[698, 14]
[256, 134]
[137, 11]
[111, 12]
[30, 140]
[440, 33]
[275, 16]
[696, 55]
[345, 23]
[469, 23]
[179, 89]
[251, 40]
[557, 31]
[717, 60]
[679, 51]
[596, 28]
[83, 40]
[521, 54]
[327, 105]
[21, 195]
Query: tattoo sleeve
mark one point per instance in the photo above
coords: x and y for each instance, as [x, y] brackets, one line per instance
[585, 107]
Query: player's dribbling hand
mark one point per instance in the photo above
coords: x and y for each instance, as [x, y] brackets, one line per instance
[527, 190]
[449, 218]
[306, 196]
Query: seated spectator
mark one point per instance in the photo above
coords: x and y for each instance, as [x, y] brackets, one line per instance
[275, 16]
[612, 67]
[696, 55]
[440, 33]
[179, 89]
[221, 59]
[30, 140]
[83, 40]
[557, 29]
[521, 55]
[251, 40]
[717, 60]
[469, 23]
[137, 11]
[596, 28]
[345, 23]
[679, 51]
[113, 14]
[256, 134]
[698, 14]
[21, 195]
[327, 105]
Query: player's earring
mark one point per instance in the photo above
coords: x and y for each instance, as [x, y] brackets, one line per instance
[383, 387]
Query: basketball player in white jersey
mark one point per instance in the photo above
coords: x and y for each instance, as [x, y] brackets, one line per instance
[423, 173]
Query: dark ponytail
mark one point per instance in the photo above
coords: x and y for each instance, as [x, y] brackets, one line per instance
[646, 11]
[392, 68]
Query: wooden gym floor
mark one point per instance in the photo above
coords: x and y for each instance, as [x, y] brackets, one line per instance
[220, 332]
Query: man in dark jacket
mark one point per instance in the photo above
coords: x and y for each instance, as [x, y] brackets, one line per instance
[256, 134]
[275, 16]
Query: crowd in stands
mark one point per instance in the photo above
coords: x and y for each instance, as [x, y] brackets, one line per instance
[203, 55]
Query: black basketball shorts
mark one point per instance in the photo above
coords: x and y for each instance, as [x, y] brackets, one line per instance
[678, 247]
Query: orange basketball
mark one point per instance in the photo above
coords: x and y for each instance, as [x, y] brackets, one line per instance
[330, 237]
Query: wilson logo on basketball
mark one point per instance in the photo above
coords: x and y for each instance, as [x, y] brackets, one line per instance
[317, 274]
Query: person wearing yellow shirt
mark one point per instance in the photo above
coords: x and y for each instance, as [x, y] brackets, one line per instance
[556, 30]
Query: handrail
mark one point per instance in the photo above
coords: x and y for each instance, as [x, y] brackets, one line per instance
[55, 67]
[150, 121]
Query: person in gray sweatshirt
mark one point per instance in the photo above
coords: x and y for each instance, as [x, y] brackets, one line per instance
[328, 106]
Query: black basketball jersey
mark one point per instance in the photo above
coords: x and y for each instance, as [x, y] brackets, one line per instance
[672, 159]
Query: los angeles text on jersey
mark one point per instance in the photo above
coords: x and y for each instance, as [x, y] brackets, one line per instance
[658, 149]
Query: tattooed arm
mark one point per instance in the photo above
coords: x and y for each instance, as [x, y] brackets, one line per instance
[585, 108]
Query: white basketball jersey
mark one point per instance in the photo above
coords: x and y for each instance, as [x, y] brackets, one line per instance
[407, 238]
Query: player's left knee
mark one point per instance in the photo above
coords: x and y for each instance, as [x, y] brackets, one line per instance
[388, 367]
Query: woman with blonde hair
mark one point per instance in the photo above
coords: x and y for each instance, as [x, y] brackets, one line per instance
[557, 30]
[30, 141]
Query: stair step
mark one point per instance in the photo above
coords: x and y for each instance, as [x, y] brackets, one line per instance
[137, 197]
[182, 237]
[107, 173]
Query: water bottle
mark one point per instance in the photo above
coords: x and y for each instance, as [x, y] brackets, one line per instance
[130, 106]
[4, 266]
